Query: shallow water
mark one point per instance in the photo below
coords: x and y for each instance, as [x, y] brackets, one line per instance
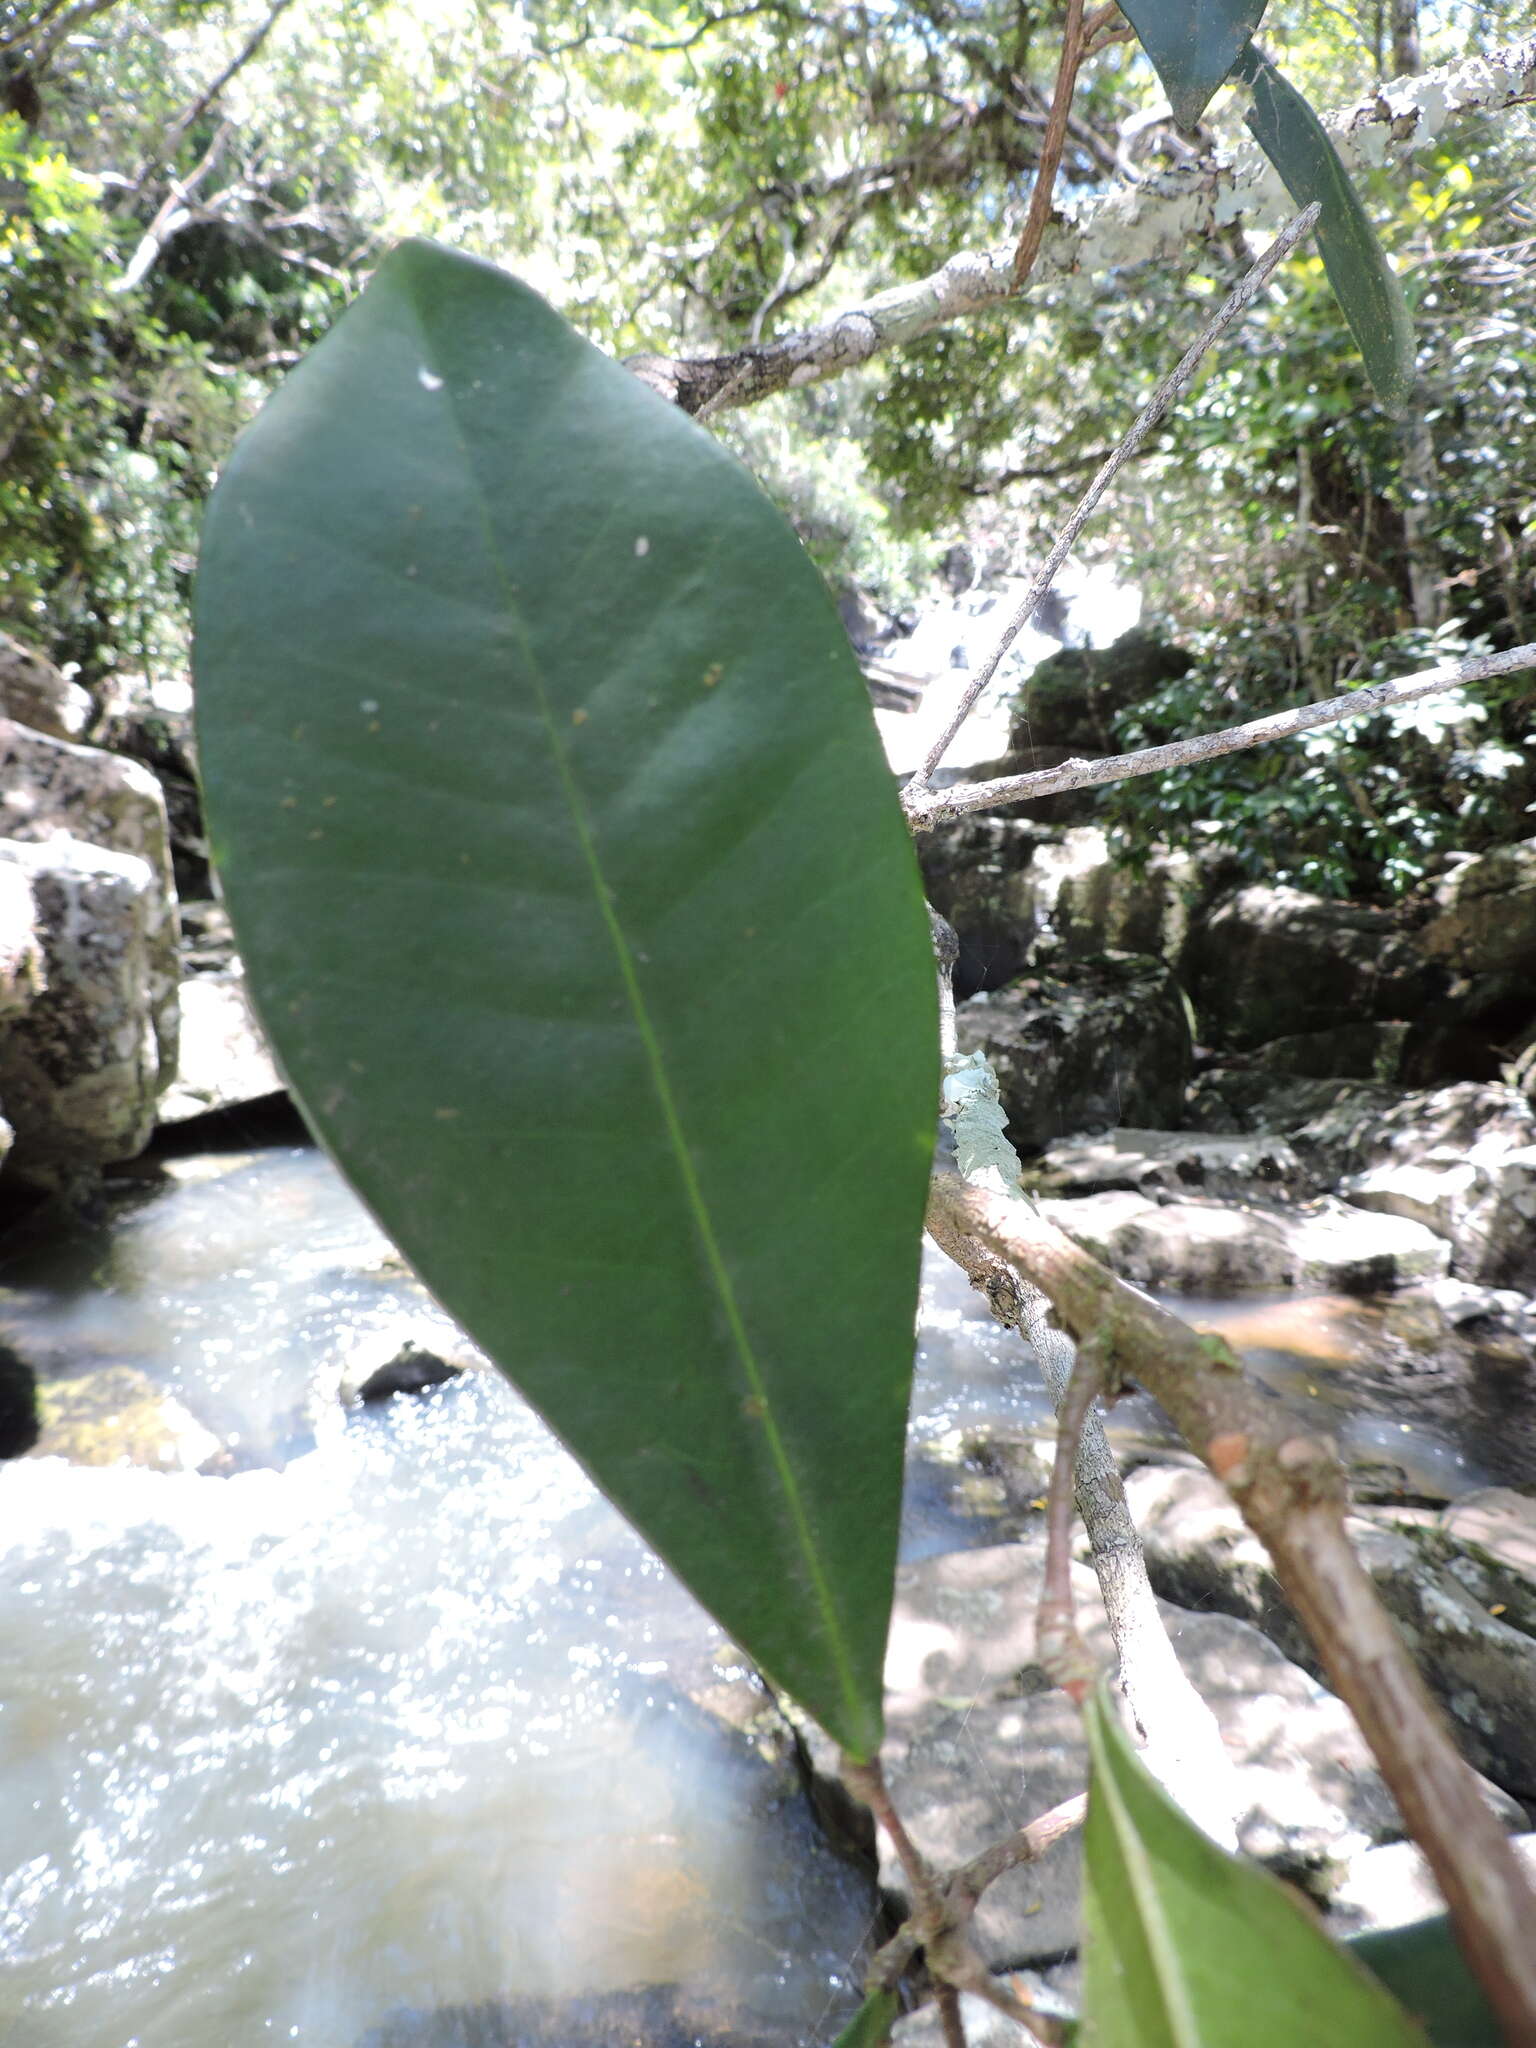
[403, 1719]
[397, 1723]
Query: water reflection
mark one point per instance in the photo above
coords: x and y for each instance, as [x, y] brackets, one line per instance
[400, 1731]
[406, 1720]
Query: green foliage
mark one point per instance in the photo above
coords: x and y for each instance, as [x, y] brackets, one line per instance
[574, 893]
[1357, 809]
[1185, 1946]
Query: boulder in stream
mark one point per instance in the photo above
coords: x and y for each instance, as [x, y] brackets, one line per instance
[1274, 962]
[1459, 1160]
[1484, 917]
[978, 1742]
[1214, 1248]
[1480, 1664]
[224, 1057]
[82, 1066]
[1106, 1044]
[38, 694]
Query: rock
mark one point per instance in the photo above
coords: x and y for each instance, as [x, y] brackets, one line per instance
[1465, 1306]
[1243, 1095]
[1492, 1544]
[1150, 1161]
[118, 1415]
[1093, 903]
[412, 1370]
[980, 874]
[224, 1059]
[649, 2016]
[18, 1404]
[1273, 962]
[1073, 698]
[1363, 1051]
[1197, 1247]
[1484, 921]
[133, 724]
[22, 974]
[1107, 1045]
[1482, 1669]
[50, 790]
[1014, 891]
[37, 694]
[81, 1067]
[1392, 1887]
[207, 939]
[1183, 1247]
[978, 1742]
[1345, 1252]
[1459, 1160]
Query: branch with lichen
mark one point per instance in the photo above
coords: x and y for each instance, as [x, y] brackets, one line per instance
[1158, 220]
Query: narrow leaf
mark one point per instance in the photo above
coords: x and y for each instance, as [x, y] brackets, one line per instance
[1185, 1946]
[1365, 284]
[1423, 1966]
[575, 895]
[871, 2025]
[1193, 45]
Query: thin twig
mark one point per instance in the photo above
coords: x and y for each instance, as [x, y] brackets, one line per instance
[1235, 304]
[930, 809]
[1025, 1845]
[210, 92]
[1292, 1493]
[867, 1782]
[1073, 45]
[948, 2000]
[1061, 1651]
[1184, 1746]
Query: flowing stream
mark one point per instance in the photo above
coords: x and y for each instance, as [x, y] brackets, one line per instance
[383, 1730]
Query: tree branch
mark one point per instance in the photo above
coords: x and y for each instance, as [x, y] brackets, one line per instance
[1073, 46]
[1291, 1490]
[1184, 1746]
[1163, 217]
[1233, 306]
[928, 809]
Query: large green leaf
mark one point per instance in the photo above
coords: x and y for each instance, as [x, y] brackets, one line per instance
[1365, 284]
[1422, 1965]
[1185, 1946]
[574, 893]
[1193, 44]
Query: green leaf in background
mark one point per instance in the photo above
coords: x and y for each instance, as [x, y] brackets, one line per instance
[1192, 45]
[1365, 284]
[1423, 1966]
[574, 892]
[1185, 1946]
[871, 2025]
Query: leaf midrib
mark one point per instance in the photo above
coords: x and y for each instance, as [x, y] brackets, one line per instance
[655, 1059]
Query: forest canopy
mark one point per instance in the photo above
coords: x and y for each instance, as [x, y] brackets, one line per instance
[193, 191]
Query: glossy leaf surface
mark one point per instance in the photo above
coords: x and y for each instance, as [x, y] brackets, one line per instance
[1185, 1946]
[1192, 45]
[574, 893]
[1363, 281]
